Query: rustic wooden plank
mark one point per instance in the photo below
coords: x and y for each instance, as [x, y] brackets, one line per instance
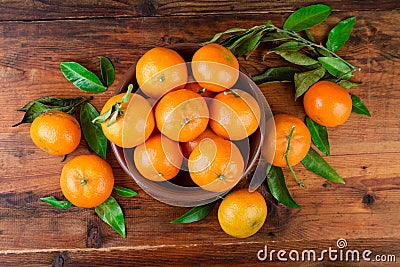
[372, 46]
[29, 68]
[212, 253]
[366, 200]
[45, 10]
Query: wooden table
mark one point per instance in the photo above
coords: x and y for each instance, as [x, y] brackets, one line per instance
[36, 36]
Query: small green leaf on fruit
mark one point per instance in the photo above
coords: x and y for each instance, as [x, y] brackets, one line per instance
[315, 163]
[111, 213]
[359, 107]
[123, 191]
[127, 95]
[195, 214]
[61, 204]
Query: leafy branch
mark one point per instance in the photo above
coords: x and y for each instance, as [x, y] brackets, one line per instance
[312, 62]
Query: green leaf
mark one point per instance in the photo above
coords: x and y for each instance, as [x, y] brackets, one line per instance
[303, 80]
[195, 214]
[232, 42]
[335, 67]
[339, 35]
[123, 191]
[218, 35]
[92, 132]
[307, 17]
[297, 58]
[107, 70]
[359, 107]
[81, 77]
[315, 163]
[249, 45]
[111, 213]
[41, 105]
[324, 52]
[127, 95]
[277, 186]
[275, 37]
[310, 36]
[347, 84]
[319, 136]
[113, 118]
[61, 204]
[103, 117]
[281, 74]
[288, 46]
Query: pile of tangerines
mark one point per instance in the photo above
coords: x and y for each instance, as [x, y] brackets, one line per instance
[195, 114]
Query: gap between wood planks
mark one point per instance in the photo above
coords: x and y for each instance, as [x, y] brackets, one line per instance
[122, 248]
[189, 14]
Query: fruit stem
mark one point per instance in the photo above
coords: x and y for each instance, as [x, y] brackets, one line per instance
[233, 91]
[83, 181]
[286, 155]
[221, 177]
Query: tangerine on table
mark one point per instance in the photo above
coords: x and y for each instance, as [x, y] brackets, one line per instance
[161, 70]
[234, 114]
[134, 126]
[299, 144]
[188, 147]
[56, 132]
[216, 164]
[215, 68]
[327, 103]
[241, 213]
[87, 181]
[158, 159]
[182, 115]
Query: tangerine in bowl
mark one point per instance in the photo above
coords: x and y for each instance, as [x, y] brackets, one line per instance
[209, 125]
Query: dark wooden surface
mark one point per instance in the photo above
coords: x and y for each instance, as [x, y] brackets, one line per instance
[37, 35]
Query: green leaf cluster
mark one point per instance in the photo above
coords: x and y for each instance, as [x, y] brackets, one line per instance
[44, 104]
[86, 80]
[310, 61]
[296, 44]
[109, 211]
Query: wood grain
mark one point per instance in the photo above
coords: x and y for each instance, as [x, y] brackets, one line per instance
[53, 10]
[364, 211]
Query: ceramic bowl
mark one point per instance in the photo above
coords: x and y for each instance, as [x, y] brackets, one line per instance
[181, 191]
